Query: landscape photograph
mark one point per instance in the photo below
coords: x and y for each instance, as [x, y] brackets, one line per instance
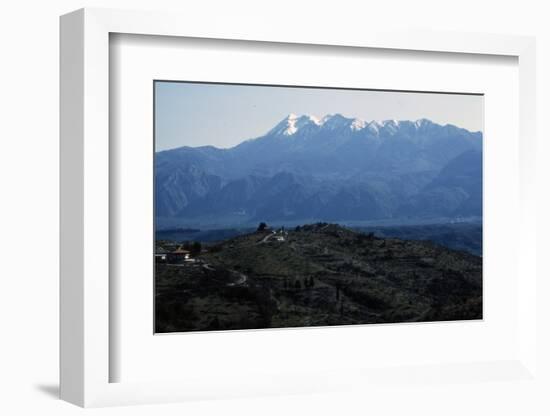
[290, 206]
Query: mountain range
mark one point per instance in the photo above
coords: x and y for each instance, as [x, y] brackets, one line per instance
[329, 169]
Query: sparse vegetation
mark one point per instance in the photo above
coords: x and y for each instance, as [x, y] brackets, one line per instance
[320, 274]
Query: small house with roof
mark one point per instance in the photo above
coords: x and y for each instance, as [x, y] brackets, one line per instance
[179, 255]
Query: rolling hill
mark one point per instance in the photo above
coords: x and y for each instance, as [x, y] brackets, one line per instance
[317, 275]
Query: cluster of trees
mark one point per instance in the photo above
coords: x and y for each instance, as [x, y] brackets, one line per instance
[263, 226]
[194, 247]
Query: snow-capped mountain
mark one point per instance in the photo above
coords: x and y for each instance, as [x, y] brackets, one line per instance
[293, 125]
[328, 168]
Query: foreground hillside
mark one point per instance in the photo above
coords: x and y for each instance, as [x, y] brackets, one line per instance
[317, 275]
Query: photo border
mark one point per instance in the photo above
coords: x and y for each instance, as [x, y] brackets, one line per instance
[156, 81]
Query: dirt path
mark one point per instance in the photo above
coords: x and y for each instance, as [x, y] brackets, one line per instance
[240, 281]
[266, 238]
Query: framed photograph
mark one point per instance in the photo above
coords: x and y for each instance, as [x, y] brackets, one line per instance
[274, 213]
[315, 220]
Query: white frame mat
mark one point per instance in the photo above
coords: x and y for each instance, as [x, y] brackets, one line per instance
[85, 355]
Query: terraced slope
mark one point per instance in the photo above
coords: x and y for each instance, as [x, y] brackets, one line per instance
[317, 275]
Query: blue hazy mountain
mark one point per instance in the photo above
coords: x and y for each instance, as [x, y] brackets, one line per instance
[333, 169]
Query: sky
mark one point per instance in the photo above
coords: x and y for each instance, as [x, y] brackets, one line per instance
[224, 115]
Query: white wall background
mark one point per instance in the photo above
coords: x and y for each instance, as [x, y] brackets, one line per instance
[29, 204]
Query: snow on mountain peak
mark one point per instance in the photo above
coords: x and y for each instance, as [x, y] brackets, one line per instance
[335, 121]
[391, 126]
[374, 126]
[358, 124]
[293, 123]
[314, 120]
[421, 122]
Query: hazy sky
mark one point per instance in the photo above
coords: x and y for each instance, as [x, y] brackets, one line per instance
[222, 115]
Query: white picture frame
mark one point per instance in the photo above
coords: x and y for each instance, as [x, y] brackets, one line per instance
[85, 212]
